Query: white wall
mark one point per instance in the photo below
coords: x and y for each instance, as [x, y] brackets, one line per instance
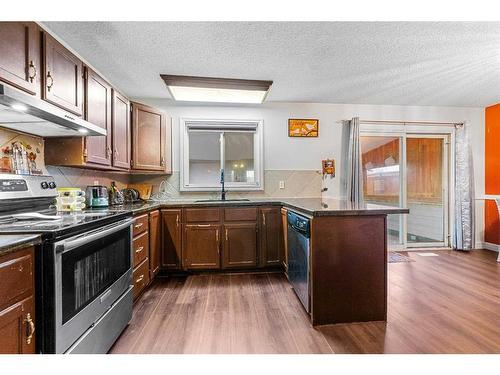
[284, 153]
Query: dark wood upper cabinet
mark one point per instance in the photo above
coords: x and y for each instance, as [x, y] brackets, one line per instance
[154, 243]
[63, 76]
[270, 236]
[20, 55]
[201, 246]
[98, 97]
[121, 131]
[171, 233]
[149, 139]
[240, 245]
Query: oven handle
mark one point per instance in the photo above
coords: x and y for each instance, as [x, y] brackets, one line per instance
[81, 239]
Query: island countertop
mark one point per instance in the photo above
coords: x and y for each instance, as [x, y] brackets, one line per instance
[309, 206]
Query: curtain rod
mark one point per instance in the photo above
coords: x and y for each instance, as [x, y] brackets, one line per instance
[409, 122]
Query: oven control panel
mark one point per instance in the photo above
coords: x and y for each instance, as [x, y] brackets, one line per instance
[20, 186]
[13, 185]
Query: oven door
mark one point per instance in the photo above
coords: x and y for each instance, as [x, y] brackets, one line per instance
[92, 270]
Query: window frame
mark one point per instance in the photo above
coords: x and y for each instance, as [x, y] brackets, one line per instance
[232, 126]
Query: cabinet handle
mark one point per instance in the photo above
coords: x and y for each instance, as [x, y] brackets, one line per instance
[139, 249]
[263, 218]
[162, 161]
[115, 154]
[139, 279]
[203, 225]
[177, 220]
[226, 236]
[138, 225]
[217, 239]
[31, 71]
[31, 328]
[108, 152]
[49, 86]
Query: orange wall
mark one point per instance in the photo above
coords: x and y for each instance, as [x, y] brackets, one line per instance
[492, 173]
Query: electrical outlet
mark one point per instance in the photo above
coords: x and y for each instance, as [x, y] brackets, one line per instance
[96, 182]
[282, 184]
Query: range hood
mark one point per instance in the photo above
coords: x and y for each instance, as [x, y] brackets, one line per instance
[27, 114]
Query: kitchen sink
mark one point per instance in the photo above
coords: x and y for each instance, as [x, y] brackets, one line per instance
[222, 200]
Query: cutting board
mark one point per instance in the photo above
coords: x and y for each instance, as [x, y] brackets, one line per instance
[143, 189]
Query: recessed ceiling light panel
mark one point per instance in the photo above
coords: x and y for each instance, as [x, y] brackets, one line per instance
[216, 90]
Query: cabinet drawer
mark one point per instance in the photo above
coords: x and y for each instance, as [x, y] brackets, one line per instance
[141, 277]
[140, 248]
[202, 215]
[16, 276]
[240, 214]
[140, 224]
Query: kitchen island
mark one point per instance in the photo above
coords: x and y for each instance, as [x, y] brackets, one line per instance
[347, 270]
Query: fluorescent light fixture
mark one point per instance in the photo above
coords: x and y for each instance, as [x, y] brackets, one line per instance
[83, 130]
[19, 107]
[383, 170]
[216, 90]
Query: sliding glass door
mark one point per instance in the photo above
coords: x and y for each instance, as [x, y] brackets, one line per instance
[382, 179]
[409, 170]
[427, 190]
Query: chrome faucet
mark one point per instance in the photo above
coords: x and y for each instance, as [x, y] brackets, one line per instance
[223, 191]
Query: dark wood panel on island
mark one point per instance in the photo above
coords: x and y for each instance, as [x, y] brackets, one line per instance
[348, 269]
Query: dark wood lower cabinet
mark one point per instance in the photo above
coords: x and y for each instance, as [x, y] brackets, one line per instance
[17, 328]
[240, 245]
[17, 306]
[270, 236]
[171, 239]
[210, 238]
[154, 243]
[201, 248]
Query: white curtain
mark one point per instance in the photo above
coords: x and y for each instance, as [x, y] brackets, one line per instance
[464, 236]
[352, 171]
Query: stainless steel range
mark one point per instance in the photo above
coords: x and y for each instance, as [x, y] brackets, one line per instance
[83, 267]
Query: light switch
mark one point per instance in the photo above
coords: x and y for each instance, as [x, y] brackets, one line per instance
[282, 184]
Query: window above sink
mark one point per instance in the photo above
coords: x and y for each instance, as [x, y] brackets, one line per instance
[210, 146]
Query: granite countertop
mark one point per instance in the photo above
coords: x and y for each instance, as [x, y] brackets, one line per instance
[13, 242]
[309, 206]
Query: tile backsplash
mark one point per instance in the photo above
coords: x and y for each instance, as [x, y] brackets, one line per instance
[299, 183]
[78, 177]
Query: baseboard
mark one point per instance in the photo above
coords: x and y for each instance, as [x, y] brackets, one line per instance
[490, 246]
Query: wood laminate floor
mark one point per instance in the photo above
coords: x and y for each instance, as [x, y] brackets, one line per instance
[444, 304]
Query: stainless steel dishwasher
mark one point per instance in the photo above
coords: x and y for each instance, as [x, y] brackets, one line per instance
[299, 233]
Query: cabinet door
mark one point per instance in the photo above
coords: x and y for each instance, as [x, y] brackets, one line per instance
[121, 131]
[63, 78]
[270, 234]
[154, 243]
[171, 233]
[19, 55]
[201, 246]
[98, 98]
[148, 139]
[17, 328]
[240, 245]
